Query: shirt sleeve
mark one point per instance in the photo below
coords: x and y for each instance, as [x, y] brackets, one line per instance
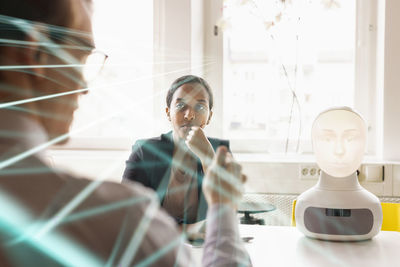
[223, 246]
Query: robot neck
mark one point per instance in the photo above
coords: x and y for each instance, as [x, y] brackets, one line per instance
[349, 183]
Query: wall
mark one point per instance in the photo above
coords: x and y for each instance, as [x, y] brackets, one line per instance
[178, 50]
[213, 52]
[277, 177]
[93, 164]
[172, 51]
[391, 82]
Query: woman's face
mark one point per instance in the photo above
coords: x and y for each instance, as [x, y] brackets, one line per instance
[189, 107]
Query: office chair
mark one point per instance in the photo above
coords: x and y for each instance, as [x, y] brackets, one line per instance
[391, 217]
[293, 221]
[390, 211]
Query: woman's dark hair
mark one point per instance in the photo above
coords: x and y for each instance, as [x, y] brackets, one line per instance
[189, 79]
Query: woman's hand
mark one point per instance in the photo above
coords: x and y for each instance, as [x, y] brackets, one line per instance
[198, 143]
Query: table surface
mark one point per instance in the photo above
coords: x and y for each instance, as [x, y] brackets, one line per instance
[286, 246]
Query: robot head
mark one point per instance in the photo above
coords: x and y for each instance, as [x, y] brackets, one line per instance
[339, 137]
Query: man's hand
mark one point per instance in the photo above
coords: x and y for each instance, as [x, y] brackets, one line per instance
[223, 182]
[198, 143]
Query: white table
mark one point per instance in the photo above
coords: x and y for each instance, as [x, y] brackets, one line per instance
[286, 246]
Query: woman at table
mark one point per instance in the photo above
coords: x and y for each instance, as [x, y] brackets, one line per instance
[174, 163]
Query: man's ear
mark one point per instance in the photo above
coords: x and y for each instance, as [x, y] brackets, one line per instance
[34, 54]
[209, 117]
[36, 57]
[167, 111]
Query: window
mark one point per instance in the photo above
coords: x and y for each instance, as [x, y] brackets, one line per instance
[286, 61]
[278, 63]
[108, 114]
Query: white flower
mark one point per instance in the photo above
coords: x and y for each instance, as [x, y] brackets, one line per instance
[268, 24]
[331, 4]
[223, 24]
[278, 17]
[245, 2]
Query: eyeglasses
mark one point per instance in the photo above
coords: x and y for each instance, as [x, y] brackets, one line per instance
[94, 64]
[88, 65]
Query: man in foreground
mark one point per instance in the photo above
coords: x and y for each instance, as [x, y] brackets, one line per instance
[50, 218]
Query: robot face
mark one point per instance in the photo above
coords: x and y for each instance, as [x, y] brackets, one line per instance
[339, 138]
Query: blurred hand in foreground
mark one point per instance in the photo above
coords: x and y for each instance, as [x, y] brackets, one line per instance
[223, 182]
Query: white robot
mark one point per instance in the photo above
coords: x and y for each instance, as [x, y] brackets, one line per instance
[337, 207]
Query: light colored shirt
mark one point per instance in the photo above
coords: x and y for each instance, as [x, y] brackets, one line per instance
[49, 218]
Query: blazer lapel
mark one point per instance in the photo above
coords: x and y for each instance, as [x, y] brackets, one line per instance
[163, 170]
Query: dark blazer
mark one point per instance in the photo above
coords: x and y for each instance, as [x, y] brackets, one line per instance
[150, 164]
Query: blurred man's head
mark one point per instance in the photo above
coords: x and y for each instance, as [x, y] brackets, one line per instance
[40, 34]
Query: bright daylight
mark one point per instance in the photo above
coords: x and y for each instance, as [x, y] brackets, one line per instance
[199, 133]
